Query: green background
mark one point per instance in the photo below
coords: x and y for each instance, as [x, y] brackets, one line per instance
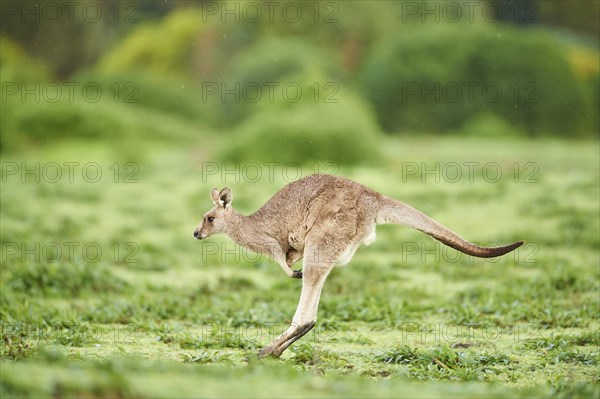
[115, 126]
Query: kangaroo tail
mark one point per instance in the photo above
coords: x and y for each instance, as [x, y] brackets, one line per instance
[393, 211]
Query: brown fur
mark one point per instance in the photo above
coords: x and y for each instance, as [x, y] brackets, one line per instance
[323, 219]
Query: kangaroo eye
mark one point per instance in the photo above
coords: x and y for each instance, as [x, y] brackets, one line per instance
[210, 219]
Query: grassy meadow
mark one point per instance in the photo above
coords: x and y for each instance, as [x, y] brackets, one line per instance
[117, 119]
[105, 293]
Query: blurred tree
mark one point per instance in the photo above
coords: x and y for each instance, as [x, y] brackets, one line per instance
[162, 47]
[54, 32]
[312, 129]
[578, 15]
[18, 66]
[435, 79]
[184, 44]
[266, 68]
[70, 35]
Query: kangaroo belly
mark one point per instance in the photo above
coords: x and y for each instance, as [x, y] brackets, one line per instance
[347, 254]
[369, 238]
[296, 241]
[292, 256]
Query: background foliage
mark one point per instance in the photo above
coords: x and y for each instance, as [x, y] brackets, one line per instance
[426, 74]
[170, 99]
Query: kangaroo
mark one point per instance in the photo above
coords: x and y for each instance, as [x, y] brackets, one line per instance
[323, 219]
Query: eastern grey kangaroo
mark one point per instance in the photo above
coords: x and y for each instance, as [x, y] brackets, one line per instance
[323, 219]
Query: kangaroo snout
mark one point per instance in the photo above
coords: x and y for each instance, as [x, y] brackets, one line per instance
[197, 235]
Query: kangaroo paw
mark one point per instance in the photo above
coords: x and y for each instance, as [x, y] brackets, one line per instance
[297, 274]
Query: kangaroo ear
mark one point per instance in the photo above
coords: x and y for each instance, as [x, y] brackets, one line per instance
[214, 195]
[225, 197]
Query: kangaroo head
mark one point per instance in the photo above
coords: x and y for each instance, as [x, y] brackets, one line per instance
[215, 220]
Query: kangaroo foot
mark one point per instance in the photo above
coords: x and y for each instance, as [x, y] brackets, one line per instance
[277, 347]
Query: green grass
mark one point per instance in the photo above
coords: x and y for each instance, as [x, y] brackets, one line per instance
[160, 314]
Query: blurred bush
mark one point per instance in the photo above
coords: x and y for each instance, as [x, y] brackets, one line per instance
[176, 97]
[488, 124]
[181, 45]
[162, 47]
[273, 59]
[344, 132]
[436, 78]
[44, 122]
[128, 107]
[170, 78]
[585, 62]
[260, 73]
[18, 66]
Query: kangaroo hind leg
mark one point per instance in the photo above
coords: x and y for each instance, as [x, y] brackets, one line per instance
[314, 275]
